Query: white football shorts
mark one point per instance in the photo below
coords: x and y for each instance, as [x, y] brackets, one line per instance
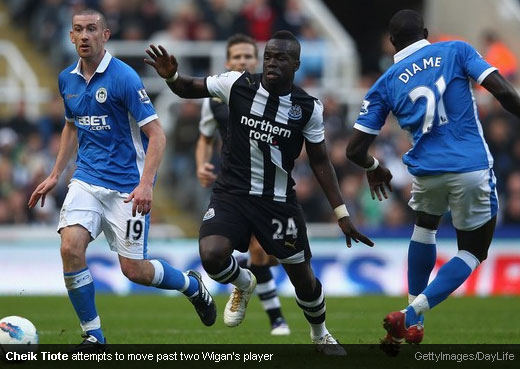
[100, 209]
[471, 197]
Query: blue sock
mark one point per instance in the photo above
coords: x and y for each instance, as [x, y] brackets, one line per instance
[450, 277]
[411, 317]
[80, 286]
[422, 254]
[168, 278]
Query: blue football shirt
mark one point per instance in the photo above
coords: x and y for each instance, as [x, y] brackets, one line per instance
[108, 112]
[429, 91]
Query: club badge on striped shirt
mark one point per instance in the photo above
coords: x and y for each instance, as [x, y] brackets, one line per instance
[295, 112]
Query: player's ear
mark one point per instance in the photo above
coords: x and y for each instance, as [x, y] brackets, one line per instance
[296, 65]
[71, 37]
[106, 34]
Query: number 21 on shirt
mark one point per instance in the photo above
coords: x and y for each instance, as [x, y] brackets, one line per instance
[431, 104]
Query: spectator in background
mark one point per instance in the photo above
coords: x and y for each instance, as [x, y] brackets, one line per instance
[220, 15]
[152, 19]
[289, 16]
[18, 122]
[182, 165]
[500, 138]
[51, 121]
[313, 50]
[512, 209]
[387, 53]
[112, 10]
[500, 56]
[334, 117]
[257, 18]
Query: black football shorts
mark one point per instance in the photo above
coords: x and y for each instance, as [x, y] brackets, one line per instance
[278, 226]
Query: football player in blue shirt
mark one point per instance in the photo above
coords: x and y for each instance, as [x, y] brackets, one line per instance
[428, 89]
[120, 142]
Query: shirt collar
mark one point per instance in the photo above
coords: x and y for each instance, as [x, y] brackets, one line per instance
[410, 49]
[100, 68]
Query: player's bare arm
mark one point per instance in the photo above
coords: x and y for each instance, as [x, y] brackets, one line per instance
[203, 152]
[378, 178]
[503, 91]
[142, 194]
[68, 146]
[324, 173]
[166, 66]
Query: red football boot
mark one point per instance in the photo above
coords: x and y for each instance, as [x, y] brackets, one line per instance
[394, 323]
[415, 333]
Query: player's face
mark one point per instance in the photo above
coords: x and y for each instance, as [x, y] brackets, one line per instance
[241, 58]
[279, 65]
[88, 36]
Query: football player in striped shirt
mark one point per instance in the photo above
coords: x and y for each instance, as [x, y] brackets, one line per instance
[241, 54]
[269, 120]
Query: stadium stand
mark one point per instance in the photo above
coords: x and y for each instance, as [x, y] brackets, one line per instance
[197, 30]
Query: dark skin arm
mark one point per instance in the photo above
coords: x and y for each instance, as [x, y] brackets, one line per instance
[357, 151]
[503, 91]
[324, 173]
[166, 66]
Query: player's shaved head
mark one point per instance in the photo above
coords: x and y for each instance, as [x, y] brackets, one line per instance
[406, 27]
[293, 44]
[102, 19]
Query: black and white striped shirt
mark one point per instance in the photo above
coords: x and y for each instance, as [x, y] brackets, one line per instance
[265, 135]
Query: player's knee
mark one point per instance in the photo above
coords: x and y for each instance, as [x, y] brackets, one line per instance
[302, 278]
[70, 252]
[213, 254]
[133, 272]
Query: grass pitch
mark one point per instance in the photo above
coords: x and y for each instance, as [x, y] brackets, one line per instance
[151, 319]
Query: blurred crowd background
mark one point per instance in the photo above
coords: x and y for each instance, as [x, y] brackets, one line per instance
[28, 145]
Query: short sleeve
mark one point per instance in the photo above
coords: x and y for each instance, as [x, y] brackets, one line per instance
[374, 110]
[314, 130]
[473, 63]
[208, 123]
[136, 100]
[69, 117]
[220, 85]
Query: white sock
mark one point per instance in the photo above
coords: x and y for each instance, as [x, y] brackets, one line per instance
[420, 304]
[411, 298]
[243, 280]
[318, 330]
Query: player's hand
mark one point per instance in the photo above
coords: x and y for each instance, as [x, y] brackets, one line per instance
[377, 179]
[352, 233]
[165, 64]
[41, 191]
[206, 175]
[142, 197]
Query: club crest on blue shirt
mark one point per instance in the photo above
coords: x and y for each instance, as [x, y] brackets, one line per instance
[101, 95]
[295, 112]
[143, 96]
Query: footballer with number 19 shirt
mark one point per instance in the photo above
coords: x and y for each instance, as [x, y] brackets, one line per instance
[112, 123]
